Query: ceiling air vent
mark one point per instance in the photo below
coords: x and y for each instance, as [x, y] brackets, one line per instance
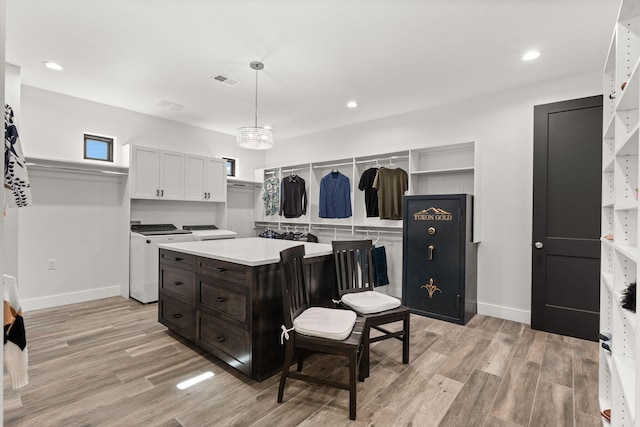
[172, 106]
[226, 80]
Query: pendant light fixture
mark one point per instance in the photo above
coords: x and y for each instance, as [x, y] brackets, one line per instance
[254, 137]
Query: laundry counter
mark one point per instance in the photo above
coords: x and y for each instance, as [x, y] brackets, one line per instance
[226, 297]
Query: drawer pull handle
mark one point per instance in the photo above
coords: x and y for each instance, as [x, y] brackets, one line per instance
[175, 259]
[221, 338]
[176, 283]
[220, 270]
[177, 316]
[220, 299]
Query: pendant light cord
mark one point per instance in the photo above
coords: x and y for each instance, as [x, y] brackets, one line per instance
[256, 125]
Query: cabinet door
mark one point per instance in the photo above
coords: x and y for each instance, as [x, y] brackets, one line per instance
[146, 173]
[194, 177]
[216, 181]
[171, 175]
[433, 257]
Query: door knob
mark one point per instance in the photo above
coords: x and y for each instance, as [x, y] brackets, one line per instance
[538, 245]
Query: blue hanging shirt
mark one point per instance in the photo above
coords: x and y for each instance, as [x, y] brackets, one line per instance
[335, 196]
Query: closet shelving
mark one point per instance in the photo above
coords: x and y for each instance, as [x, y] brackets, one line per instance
[619, 379]
[443, 169]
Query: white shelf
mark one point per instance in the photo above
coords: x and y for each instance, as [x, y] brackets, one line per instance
[606, 242]
[85, 167]
[629, 251]
[625, 369]
[443, 171]
[607, 358]
[629, 146]
[608, 167]
[631, 205]
[610, 128]
[607, 278]
[629, 100]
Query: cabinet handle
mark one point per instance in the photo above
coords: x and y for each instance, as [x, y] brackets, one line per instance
[204, 195]
[177, 316]
[174, 259]
[176, 283]
[220, 270]
[220, 299]
[161, 193]
[430, 252]
[157, 193]
[208, 195]
[221, 338]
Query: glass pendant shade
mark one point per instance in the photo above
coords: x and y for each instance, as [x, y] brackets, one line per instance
[255, 138]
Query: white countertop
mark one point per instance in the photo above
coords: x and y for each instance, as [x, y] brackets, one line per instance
[250, 251]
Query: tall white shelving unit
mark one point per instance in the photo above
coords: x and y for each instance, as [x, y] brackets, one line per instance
[619, 379]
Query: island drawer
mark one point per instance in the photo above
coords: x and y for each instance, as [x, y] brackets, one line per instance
[177, 259]
[179, 283]
[223, 297]
[227, 341]
[177, 316]
[222, 270]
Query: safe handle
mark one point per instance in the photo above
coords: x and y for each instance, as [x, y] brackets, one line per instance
[430, 252]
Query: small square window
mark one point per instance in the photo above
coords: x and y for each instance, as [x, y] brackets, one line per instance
[98, 148]
[230, 165]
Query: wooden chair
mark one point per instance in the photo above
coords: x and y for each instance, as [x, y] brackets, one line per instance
[317, 329]
[354, 269]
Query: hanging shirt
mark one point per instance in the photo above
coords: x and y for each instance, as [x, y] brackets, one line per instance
[271, 195]
[391, 185]
[293, 197]
[335, 196]
[370, 193]
[16, 180]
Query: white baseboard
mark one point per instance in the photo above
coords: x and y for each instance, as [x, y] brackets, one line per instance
[69, 298]
[502, 312]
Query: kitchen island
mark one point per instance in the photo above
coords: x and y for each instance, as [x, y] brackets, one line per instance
[225, 296]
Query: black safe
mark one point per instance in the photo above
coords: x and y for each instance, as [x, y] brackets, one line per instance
[439, 263]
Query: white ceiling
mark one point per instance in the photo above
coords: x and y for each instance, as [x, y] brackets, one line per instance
[392, 56]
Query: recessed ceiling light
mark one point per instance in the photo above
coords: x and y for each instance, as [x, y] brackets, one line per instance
[532, 54]
[53, 66]
[266, 127]
[352, 104]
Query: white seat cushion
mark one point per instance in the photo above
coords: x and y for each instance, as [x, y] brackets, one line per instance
[368, 302]
[330, 323]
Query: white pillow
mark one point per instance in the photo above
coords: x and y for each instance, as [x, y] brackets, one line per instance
[368, 302]
[330, 323]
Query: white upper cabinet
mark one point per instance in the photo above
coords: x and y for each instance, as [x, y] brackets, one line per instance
[157, 174]
[168, 175]
[194, 177]
[205, 179]
[215, 180]
[145, 173]
[171, 175]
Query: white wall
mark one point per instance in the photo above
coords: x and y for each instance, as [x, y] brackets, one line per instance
[53, 125]
[82, 220]
[502, 125]
[3, 5]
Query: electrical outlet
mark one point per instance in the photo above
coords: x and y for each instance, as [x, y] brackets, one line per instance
[52, 264]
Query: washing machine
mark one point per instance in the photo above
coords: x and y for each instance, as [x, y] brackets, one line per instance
[144, 257]
[209, 232]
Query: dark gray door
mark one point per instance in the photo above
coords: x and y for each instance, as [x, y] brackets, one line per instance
[566, 217]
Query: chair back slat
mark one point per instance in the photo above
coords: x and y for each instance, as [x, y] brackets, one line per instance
[354, 265]
[295, 298]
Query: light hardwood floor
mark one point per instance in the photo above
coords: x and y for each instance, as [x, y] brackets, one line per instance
[109, 362]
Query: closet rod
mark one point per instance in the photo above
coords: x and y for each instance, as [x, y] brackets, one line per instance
[333, 165]
[269, 172]
[71, 169]
[376, 231]
[381, 159]
[293, 170]
[331, 228]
